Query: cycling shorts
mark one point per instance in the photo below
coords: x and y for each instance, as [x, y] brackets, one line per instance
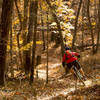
[75, 63]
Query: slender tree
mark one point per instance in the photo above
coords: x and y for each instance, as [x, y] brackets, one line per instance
[84, 22]
[76, 21]
[98, 26]
[19, 32]
[29, 37]
[35, 5]
[24, 35]
[47, 46]
[42, 23]
[90, 26]
[83, 25]
[11, 51]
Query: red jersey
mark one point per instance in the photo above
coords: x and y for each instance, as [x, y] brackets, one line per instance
[69, 56]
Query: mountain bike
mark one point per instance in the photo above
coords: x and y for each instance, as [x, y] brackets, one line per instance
[78, 75]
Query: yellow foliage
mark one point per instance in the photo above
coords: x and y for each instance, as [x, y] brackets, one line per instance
[8, 47]
[68, 38]
[27, 47]
[93, 23]
[39, 42]
[59, 11]
[66, 20]
[54, 24]
[73, 17]
[68, 43]
[16, 22]
[58, 3]
[92, 1]
[80, 18]
[44, 7]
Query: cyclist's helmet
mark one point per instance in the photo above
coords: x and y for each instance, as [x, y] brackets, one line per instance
[67, 48]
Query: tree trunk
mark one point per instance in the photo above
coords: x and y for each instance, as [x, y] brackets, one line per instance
[75, 30]
[19, 13]
[7, 7]
[18, 44]
[98, 26]
[83, 25]
[90, 26]
[11, 50]
[19, 52]
[35, 6]
[29, 38]
[47, 48]
[42, 28]
[72, 4]
[38, 61]
[25, 22]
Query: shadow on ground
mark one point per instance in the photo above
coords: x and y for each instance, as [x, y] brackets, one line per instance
[90, 93]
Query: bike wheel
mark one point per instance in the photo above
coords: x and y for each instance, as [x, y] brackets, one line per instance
[78, 75]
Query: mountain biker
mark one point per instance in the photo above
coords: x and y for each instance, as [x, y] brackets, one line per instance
[69, 60]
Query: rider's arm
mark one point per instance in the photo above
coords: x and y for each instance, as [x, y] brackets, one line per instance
[75, 54]
[64, 58]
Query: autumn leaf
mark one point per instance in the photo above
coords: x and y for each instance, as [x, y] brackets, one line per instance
[93, 23]
[92, 1]
[17, 93]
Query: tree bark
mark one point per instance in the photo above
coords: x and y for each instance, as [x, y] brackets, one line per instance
[83, 25]
[90, 26]
[29, 37]
[75, 30]
[42, 27]
[11, 50]
[35, 6]
[25, 22]
[47, 47]
[19, 32]
[98, 26]
[19, 13]
[7, 7]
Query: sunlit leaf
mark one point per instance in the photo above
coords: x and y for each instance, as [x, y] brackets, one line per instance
[53, 24]
[93, 23]
[39, 42]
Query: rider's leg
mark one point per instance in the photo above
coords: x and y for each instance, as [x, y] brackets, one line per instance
[81, 71]
[72, 71]
[68, 68]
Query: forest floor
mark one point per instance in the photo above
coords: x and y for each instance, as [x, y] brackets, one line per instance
[59, 87]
